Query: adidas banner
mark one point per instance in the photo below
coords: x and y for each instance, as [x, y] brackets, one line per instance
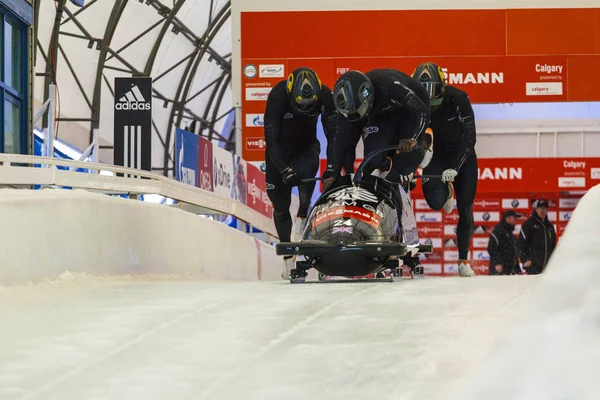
[133, 122]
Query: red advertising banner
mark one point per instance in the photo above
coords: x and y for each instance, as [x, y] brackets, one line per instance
[529, 175]
[257, 198]
[205, 164]
[509, 63]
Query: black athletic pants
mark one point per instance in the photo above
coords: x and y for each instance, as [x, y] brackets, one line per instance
[465, 187]
[306, 164]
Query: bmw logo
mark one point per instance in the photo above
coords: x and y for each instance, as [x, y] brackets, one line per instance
[515, 203]
[486, 216]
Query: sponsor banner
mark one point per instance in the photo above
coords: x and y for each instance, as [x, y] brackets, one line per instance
[259, 164]
[186, 157]
[435, 242]
[449, 230]
[255, 120]
[250, 71]
[240, 181]
[481, 255]
[421, 204]
[257, 93]
[452, 256]
[561, 228]
[257, 197]
[271, 71]
[522, 175]
[487, 216]
[552, 216]
[481, 229]
[430, 230]
[450, 243]
[517, 204]
[348, 212]
[256, 143]
[485, 204]
[432, 268]
[452, 217]
[205, 164]
[479, 243]
[544, 88]
[426, 217]
[571, 182]
[570, 203]
[513, 179]
[595, 173]
[565, 215]
[222, 172]
[132, 126]
[435, 257]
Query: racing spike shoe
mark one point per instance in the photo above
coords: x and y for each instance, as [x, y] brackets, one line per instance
[449, 205]
[464, 269]
[298, 229]
[289, 263]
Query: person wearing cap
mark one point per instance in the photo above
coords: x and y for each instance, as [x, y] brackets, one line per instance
[537, 239]
[502, 246]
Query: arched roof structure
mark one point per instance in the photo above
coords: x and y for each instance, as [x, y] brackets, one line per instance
[184, 45]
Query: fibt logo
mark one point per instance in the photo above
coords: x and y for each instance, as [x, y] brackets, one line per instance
[133, 100]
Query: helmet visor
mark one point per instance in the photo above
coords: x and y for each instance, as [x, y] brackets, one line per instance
[357, 114]
[434, 89]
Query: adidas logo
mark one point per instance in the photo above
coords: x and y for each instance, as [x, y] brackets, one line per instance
[133, 100]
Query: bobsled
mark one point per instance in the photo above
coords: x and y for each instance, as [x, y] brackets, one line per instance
[358, 227]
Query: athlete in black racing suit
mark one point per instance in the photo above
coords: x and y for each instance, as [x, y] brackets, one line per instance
[387, 107]
[454, 158]
[292, 148]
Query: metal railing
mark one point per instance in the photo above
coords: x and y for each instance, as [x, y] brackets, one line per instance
[19, 170]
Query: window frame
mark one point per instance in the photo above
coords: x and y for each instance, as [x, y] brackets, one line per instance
[8, 93]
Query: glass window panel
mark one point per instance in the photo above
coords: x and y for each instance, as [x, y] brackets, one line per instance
[12, 55]
[12, 128]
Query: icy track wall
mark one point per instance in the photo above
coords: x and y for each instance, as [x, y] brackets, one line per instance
[552, 350]
[46, 233]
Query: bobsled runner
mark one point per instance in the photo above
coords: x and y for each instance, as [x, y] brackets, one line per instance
[358, 227]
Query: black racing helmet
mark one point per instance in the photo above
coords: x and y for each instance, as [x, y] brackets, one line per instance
[353, 95]
[303, 90]
[431, 76]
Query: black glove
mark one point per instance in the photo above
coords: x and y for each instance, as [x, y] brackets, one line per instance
[290, 177]
[330, 172]
[329, 177]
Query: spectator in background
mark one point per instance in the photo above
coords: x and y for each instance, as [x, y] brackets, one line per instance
[537, 239]
[502, 246]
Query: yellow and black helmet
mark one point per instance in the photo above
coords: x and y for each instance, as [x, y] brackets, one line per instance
[431, 76]
[303, 90]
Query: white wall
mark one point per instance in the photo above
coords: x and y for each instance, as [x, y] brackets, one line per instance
[48, 232]
[550, 351]
[491, 118]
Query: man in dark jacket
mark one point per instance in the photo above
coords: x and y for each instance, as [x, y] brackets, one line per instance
[537, 239]
[502, 246]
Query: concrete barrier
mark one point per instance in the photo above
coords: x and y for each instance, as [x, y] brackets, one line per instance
[46, 233]
[551, 351]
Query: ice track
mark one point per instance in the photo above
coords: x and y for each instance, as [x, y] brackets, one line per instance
[157, 339]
